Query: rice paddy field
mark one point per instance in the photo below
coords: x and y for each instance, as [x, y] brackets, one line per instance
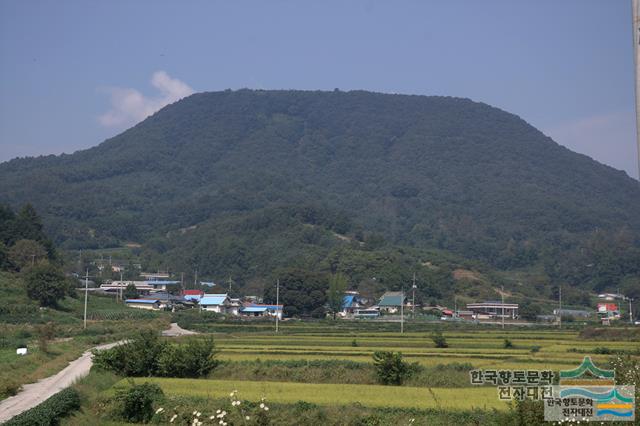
[483, 348]
[324, 373]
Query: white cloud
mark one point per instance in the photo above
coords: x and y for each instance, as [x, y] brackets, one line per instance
[129, 106]
[608, 138]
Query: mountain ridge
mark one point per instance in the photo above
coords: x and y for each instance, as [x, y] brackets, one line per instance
[425, 172]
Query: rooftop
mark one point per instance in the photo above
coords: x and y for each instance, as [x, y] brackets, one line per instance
[392, 298]
[143, 301]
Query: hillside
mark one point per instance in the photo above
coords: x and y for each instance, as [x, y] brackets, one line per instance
[241, 182]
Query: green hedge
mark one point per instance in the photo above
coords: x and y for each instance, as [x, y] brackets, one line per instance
[50, 411]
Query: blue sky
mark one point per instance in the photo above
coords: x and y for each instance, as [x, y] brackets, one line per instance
[73, 73]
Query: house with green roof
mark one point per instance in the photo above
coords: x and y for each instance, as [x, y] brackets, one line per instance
[391, 301]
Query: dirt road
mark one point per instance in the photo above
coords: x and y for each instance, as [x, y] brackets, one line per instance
[175, 330]
[35, 393]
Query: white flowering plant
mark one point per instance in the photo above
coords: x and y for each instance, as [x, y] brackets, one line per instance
[235, 412]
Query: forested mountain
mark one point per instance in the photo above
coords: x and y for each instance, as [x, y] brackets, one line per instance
[241, 182]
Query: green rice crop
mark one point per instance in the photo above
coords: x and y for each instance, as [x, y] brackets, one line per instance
[331, 394]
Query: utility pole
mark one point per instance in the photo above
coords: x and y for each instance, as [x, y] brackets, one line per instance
[86, 293]
[402, 312]
[630, 311]
[121, 284]
[455, 305]
[560, 306]
[195, 279]
[413, 297]
[502, 296]
[277, 302]
[230, 284]
[635, 12]
[181, 282]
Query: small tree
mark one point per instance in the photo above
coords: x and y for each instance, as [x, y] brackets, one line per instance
[196, 358]
[136, 403]
[439, 340]
[335, 293]
[46, 284]
[131, 292]
[45, 333]
[25, 253]
[390, 368]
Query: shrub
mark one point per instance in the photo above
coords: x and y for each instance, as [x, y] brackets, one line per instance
[602, 350]
[508, 344]
[390, 368]
[45, 333]
[50, 411]
[196, 358]
[136, 402]
[45, 283]
[528, 412]
[138, 357]
[439, 340]
[147, 355]
[9, 388]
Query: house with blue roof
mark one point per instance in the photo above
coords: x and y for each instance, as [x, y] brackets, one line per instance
[219, 303]
[259, 310]
[351, 303]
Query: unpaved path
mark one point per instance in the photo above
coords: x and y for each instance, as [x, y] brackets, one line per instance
[36, 393]
[175, 330]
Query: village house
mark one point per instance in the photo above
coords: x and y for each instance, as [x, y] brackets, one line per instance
[493, 310]
[350, 304]
[218, 303]
[150, 304]
[193, 295]
[391, 301]
[234, 307]
[259, 310]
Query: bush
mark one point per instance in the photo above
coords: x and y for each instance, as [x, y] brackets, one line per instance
[136, 402]
[439, 340]
[138, 357]
[45, 333]
[528, 412]
[50, 411]
[45, 283]
[196, 358]
[9, 388]
[508, 344]
[602, 350]
[390, 368]
[147, 355]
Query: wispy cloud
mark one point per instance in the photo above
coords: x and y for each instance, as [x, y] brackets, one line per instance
[129, 106]
[607, 138]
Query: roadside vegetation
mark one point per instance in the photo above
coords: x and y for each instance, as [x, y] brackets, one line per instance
[49, 412]
[55, 336]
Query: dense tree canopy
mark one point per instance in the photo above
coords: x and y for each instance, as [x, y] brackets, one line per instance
[23, 241]
[245, 182]
[46, 284]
